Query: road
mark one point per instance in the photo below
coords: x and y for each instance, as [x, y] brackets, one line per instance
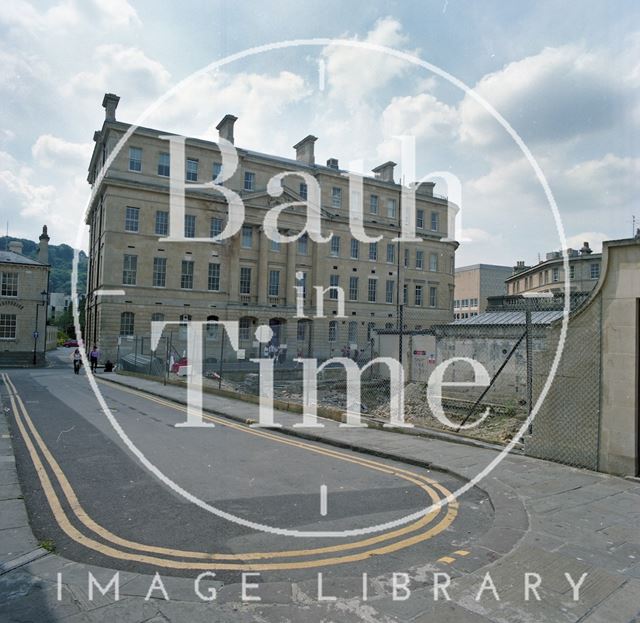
[93, 499]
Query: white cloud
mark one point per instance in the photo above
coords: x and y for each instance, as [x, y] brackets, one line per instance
[117, 12]
[594, 238]
[353, 73]
[52, 151]
[422, 116]
[555, 95]
[610, 182]
[261, 103]
[59, 204]
[23, 16]
[119, 69]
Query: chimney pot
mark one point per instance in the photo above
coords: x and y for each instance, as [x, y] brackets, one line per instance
[305, 149]
[43, 247]
[225, 128]
[384, 172]
[110, 103]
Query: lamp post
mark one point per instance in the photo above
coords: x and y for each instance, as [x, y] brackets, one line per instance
[43, 301]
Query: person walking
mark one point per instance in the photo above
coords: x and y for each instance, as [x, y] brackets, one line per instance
[93, 358]
[77, 361]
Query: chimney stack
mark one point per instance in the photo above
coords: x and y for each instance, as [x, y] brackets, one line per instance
[15, 246]
[332, 163]
[384, 172]
[586, 249]
[305, 149]
[110, 103]
[43, 247]
[225, 128]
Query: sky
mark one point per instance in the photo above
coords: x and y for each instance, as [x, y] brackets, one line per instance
[564, 75]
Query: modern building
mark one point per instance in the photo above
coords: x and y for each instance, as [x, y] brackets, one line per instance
[250, 278]
[23, 304]
[474, 284]
[548, 275]
[59, 303]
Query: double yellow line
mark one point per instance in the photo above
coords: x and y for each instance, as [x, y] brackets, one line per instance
[204, 560]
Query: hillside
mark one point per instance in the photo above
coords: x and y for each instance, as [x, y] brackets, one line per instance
[61, 260]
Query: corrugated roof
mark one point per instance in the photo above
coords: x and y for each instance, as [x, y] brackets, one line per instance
[511, 318]
[9, 257]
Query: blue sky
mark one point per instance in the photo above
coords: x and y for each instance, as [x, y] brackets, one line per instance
[564, 74]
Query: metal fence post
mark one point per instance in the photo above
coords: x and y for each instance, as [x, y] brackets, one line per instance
[529, 349]
[400, 333]
[222, 340]
[151, 356]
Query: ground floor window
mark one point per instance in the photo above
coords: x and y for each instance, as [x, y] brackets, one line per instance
[245, 328]
[126, 323]
[7, 326]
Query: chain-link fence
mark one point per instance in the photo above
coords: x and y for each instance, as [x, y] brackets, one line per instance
[514, 342]
[566, 428]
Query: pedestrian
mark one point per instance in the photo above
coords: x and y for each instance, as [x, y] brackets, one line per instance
[77, 361]
[93, 358]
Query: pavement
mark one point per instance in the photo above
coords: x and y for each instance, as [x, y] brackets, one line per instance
[548, 519]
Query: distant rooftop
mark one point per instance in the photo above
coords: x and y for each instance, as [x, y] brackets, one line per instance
[511, 318]
[460, 269]
[10, 257]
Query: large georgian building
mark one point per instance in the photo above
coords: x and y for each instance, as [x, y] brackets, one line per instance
[24, 284]
[548, 275]
[248, 277]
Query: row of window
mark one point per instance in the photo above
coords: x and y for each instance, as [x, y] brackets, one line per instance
[247, 239]
[192, 166]
[159, 280]
[389, 291]
[552, 276]
[216, 225]
[465, 303]
[464, 315]
[249, 184]
[127, 327]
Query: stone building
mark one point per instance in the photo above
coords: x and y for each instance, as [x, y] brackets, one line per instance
[23, 304]
[474, 285]
[248, 277]
[548, 275]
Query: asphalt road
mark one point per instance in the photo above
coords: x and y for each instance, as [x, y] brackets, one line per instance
[89, 495]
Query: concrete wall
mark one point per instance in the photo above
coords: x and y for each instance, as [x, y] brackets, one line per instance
[620, 294]
[590, 415]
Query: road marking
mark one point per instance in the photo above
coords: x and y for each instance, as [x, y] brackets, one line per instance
[446, 560]
[323, 500]
[462, 552]
[79, 537]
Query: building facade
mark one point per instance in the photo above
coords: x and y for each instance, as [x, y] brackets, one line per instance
[548, 275]
[248, 277]
[474, 284]
[23, 304]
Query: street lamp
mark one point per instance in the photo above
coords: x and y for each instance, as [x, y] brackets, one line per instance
[43, 302]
